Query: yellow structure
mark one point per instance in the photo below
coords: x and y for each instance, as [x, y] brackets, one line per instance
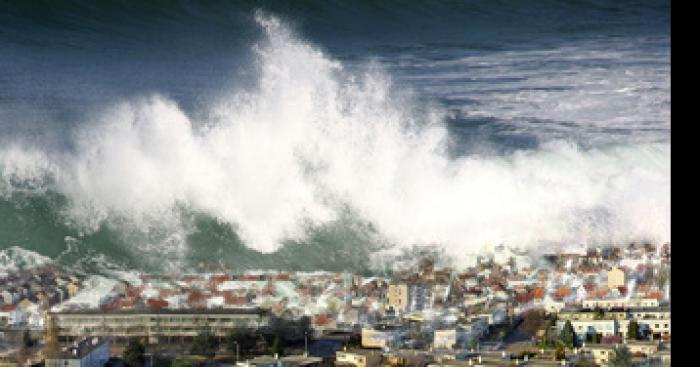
[445, 339]
[602, 353]
[397, 296]
[372, 338]
[358, 358]
[616, 278]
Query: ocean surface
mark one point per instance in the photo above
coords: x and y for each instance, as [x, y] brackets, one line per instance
[328, 134]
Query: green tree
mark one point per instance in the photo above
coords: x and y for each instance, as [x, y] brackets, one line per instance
[621, 357]
[599, 313]
[204, 344]
[277, 345]
[134, 353]
[662, 277]
[633, 330]
[472, 343]
[568, 335]
[559, 353]
[27, 340]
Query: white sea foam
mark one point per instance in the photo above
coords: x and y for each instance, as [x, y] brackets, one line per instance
[14, 258]
[313, 139]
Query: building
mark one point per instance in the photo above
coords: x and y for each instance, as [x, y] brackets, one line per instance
[379, 338]
[12, 315]
[444, 339]
[358, 358]
[157, 326]
[602, 353]
[397, 297]
[623, 303]
[656, 319]
[88, 352]
[645, 347]
[419, 297]
[590, 327]
[616, 278]
[276, 361]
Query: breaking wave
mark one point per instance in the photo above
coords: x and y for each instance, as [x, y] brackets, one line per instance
[314, 143]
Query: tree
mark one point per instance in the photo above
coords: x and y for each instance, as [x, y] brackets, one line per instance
[472, 343]
[633, 330]
[27, 340]
[534, 320]
[134, 353]
[51, 347]
[621, 357]
[277, 345]
[204, 344]
[599, 313]
[568, 335]
[559, 353]
[246, 342]
[662, 277]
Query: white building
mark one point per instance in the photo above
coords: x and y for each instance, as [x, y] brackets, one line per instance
[589, 327]
[444, 339]
[90, 352]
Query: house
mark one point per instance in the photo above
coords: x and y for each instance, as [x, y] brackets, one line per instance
[616, 278]
[276, 361]
[623, 303]
[656, 319]
[358, 358]
[582, 328]
[444, 339]
[12, 315]
[379, 338]
[89, 352]
[397, 297]
[602, 353]
[644, 347]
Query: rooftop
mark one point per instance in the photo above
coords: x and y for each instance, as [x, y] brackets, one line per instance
[82, 348]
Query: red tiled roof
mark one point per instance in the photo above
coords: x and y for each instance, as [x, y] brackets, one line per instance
[157, 303]
[322, 320]
[162, 293]
[196, 297]
[230, 299]
[7, 308]
[219, 278]
[134, 291]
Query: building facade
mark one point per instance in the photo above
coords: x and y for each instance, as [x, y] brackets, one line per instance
[88, 352]
[157, 326]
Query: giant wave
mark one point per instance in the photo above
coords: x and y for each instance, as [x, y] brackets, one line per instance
[315, 148]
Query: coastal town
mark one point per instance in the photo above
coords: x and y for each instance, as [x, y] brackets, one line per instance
[598, 306]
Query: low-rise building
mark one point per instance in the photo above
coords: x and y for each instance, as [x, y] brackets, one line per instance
[89, 352]
[582, 328]
[444, 339]
[157, 326]
[616, 278]
[276, 361]
[623, 303]
[645, 347]
[602, 353]
[358, 358]
[397, 297]
[379, 338]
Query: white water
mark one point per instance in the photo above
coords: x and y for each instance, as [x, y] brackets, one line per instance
[313, 139]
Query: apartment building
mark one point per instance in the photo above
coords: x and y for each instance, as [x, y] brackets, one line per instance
[157, 326]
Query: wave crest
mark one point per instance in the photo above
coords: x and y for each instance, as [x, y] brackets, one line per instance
[312, 140]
